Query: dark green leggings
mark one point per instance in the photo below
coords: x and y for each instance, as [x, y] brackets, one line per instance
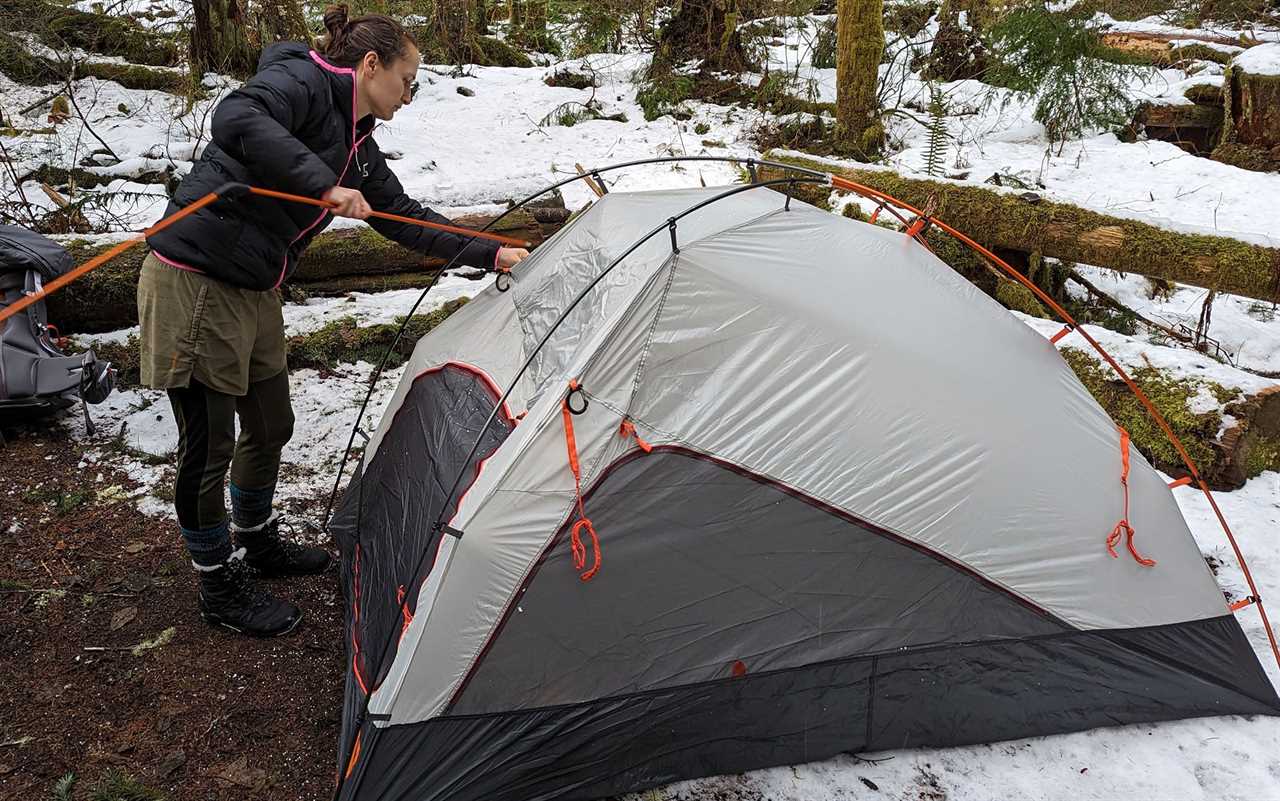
[207, 445]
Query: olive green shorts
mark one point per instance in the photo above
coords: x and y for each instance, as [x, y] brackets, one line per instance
[198, 327]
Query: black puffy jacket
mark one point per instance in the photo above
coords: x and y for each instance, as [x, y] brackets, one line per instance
[291, 128]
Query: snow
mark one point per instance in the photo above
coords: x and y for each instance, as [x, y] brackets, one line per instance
[1156, 25]
[472, 154]
[1261, 60]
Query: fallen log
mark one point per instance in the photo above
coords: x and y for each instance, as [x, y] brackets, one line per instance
[1194, 127]
[1229, 445]
[337, 262]
[1070, 233]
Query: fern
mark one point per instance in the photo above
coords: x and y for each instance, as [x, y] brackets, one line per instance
[936, 152]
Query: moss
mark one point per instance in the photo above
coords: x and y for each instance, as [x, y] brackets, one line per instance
[345, 341]
[500, 54]
[1171, 397]
[58, 26]
[19, 65]
[1164, 58]
[854, 212]
[1204, 94]
[568, 79]
[1016, 296]
[133, 76]
[1263, 455]
[60, 176]
[1063, 231]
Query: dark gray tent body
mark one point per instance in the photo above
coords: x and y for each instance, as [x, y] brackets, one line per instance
[853, 530]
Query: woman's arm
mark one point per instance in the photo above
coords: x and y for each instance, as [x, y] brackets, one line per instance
[253, 124]
[383, 192]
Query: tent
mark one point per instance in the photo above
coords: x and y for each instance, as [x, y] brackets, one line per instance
[779, 485]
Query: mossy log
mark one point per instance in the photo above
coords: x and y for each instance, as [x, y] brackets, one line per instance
[1192, 115]
[1225, 457]
[1069, 233]
[1157, 48]
[58, 26]
[346, 260]
[20, 65]
[1194, 127]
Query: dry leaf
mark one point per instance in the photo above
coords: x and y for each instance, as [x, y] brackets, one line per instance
[123, 617]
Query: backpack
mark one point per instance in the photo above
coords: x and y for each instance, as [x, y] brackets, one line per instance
[36, 376]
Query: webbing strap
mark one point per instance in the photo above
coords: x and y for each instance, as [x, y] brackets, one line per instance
[1123, 529]
[628, 430]
[584, 523]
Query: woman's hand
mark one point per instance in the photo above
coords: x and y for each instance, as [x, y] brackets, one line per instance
[349, 202]
[510, 257]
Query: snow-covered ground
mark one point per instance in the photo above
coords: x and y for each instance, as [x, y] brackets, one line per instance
[473, 153]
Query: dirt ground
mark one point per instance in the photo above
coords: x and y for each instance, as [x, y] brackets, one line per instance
[108, 671]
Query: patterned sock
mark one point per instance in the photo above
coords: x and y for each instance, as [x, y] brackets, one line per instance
[251, 508]
[209, 547]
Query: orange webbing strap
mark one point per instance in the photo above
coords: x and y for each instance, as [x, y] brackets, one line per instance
[1123, 529]
[1243, 602]
[627, 430]
[1182, 482]
[575, 534]
[404, 612]
[1066, 329]
[355, 756]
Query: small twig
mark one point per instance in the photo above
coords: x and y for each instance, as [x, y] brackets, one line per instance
[71, 95]
[18, 742]
[589, 181]
[38, 103]
[1117, 305]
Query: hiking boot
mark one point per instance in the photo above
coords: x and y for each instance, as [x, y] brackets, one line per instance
[229, 598]
[274, 556]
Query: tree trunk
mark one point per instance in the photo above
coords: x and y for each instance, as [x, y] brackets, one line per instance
[219, 40]
[454, 31]
[859, 47]
[480, 17]
[705, 30]
[282, 21]
[1070, 233]
[958, 51]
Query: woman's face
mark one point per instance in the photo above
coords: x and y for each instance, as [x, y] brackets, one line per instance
[387, 87]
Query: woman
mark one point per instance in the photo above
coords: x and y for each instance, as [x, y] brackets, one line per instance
[212, 329]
